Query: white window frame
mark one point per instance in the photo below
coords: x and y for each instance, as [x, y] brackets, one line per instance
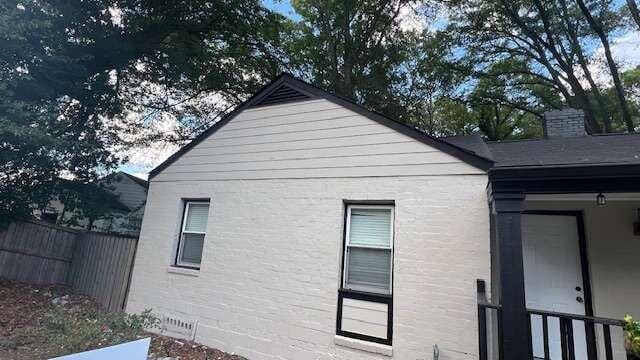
[185, 213]
[347, 245]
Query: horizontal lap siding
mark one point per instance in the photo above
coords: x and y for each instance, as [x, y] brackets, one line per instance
[365, 317]
[130, 193]
[308, 139]
[369, 149]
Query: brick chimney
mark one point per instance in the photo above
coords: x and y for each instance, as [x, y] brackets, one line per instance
[564, 123]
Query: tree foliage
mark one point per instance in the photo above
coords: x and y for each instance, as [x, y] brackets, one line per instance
[353, 48]
[550, 47]
[80, 82]
[71, 72]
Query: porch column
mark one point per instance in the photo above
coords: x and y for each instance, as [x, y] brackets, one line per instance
[507, 209]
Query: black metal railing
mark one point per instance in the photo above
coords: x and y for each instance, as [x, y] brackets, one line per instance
[487, 310]
[493, 311]
[484, 309]
[567, 340]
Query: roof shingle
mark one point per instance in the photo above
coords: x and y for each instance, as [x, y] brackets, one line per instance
[614, 149]
[584, 150]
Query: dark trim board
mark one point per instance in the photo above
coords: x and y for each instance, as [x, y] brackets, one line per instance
[316, 93]
[566, 179]
[585, 270]
[529, 173]
[369, 202]
[514, 320]
[345, 206]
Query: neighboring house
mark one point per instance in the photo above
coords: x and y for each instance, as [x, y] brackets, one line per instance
[302, 226]
[124, 216]
[132, 193]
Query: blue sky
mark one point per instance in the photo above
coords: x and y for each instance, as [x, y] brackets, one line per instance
[281, 6]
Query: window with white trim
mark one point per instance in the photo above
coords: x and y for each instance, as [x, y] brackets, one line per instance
[368, 258]
[192, 233]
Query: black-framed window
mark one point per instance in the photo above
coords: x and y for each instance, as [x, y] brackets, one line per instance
[192, 233]
[365, 300]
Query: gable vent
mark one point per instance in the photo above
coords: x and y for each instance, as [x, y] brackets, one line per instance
[282, 94]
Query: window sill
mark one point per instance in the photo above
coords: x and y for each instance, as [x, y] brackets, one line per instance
[367, 346]
[183, 271]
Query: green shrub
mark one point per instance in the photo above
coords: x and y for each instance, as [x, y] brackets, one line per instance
[632, 335]
[69, 331]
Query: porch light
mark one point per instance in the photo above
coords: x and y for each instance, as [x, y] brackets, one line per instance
[601, 200]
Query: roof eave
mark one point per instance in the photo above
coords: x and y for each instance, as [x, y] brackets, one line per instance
[572, 171]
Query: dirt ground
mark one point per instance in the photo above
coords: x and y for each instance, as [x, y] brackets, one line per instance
[23, 308]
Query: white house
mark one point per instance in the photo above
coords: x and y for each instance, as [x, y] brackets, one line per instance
[303, 226]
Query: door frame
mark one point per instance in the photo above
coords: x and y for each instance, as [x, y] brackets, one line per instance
[590, 332]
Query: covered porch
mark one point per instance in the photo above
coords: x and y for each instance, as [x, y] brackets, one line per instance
[565, 262]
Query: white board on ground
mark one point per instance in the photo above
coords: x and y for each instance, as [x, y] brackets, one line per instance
[134, 350]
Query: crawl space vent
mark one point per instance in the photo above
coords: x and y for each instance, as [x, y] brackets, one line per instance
[179, 327]
[282, 94]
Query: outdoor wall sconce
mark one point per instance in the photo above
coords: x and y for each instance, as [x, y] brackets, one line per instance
[601, 200]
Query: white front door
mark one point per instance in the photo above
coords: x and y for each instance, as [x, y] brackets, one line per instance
[553, 278]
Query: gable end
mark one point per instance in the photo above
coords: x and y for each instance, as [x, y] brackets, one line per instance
[286, 88]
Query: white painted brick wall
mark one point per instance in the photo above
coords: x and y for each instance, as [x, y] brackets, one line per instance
[271, 264]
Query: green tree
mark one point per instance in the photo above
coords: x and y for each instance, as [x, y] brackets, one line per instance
[356, 49]
[71, 71]
[84, 203]
[549, 45]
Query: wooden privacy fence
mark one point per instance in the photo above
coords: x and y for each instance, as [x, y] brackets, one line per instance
[101, 267]
[36, 253]
[94, 264]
